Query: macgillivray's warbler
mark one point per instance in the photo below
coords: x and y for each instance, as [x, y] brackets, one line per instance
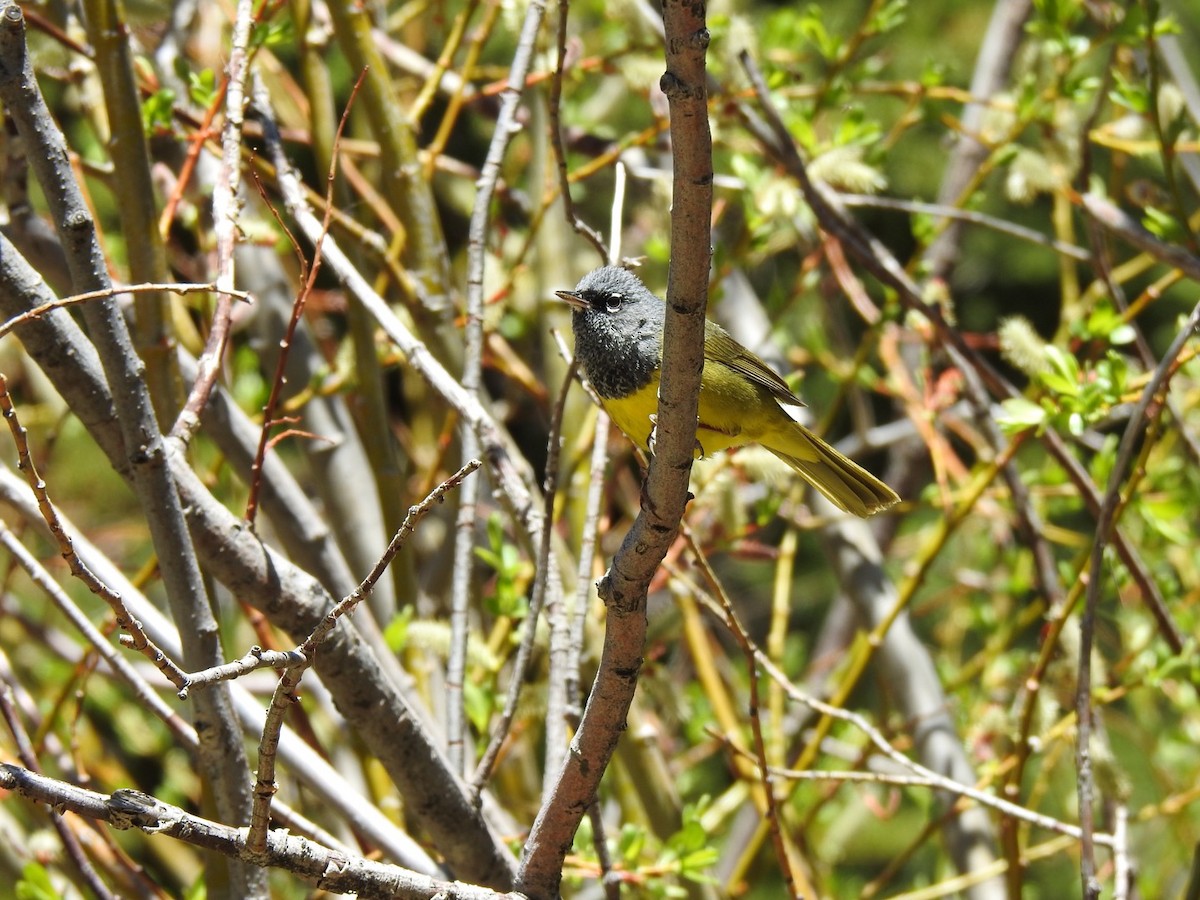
[618, 325]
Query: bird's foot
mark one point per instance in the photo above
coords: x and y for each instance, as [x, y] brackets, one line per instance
[650, 441]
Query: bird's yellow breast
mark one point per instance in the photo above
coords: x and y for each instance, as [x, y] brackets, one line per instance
[733, 411]
[633, 413]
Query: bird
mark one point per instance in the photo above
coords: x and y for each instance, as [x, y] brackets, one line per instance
[618, 326]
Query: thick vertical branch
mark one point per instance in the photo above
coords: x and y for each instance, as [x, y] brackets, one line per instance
[665, 493]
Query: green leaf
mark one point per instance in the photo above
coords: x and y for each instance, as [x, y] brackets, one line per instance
[495, 532]
[395, 635]
[158, 112]
[1062, 362]
[510, 559]
[490, 557]
[1018, 414]
[479, 705]
[1059, 384]
[276, 33]
[1163, 225]
[1063, 377]
[1166, 25]
[202, 87]
[889, 16]
[688, 839]
[507, 601]
[630, 844]
[35, 884]
[693, 864]
[1132, 95]
[812, 28]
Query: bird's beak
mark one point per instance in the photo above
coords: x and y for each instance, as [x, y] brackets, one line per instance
[573, 299]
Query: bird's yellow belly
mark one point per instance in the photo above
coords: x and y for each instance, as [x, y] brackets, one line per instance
[727, 417]
[633, 413]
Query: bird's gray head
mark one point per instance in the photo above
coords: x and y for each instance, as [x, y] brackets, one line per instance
[618, 327]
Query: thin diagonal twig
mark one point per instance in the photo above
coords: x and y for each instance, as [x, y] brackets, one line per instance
[126, 622]
[285, 690]
[107, 293]
[1139, 421]
[310, 279]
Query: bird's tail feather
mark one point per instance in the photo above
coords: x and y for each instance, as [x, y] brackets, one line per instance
[844, 482]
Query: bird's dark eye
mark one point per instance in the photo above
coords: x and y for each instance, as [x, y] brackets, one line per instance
[612, 302]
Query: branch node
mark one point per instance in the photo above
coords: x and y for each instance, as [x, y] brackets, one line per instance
[670, 85]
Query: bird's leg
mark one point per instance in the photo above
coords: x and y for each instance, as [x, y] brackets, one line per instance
[699, 451]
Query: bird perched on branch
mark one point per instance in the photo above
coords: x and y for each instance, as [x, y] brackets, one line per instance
[618, 325]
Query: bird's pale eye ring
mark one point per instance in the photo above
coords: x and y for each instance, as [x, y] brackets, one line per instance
[612, 302]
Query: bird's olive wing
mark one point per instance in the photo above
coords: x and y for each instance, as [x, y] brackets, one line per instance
[720, 347]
